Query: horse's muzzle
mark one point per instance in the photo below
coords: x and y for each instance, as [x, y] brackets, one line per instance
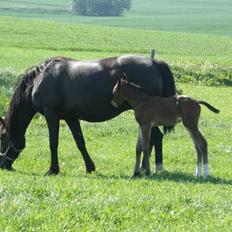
[114, 104]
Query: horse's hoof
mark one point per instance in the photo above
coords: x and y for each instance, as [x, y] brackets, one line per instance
[11, 169]
[52, 171]
[148, 173]
[91, 168]
[159, 168]
[136, 175]
[7, 167]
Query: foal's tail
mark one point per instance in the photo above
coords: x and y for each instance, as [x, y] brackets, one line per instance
[210, 107]
[169, 87]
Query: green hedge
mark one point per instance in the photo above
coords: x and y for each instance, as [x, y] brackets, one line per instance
[205, 74]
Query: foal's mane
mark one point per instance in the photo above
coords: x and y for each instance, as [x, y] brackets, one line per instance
[138, 88]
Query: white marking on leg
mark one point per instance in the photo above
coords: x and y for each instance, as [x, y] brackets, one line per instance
[206, 170]
[159, 167]
[198, 170]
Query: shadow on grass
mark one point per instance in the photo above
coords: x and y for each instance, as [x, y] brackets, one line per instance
[178, 177]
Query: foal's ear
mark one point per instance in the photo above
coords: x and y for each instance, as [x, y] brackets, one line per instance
[124, 77]
[118, 83]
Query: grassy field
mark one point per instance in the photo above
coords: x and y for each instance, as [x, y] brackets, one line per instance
[109, 200]
[193, 56]
[210, 16]
[195, 39]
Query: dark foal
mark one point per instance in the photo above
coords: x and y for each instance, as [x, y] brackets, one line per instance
[157, 111]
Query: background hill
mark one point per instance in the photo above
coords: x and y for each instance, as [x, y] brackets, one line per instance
[210, 16]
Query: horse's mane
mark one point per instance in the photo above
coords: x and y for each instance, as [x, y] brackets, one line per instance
[25, 81]
[24, 85]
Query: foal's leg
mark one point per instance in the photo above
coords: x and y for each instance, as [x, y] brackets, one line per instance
[53, 127]
[146, 129]
[74, 126]
[204, 150]
[201, 148]
[139, 149]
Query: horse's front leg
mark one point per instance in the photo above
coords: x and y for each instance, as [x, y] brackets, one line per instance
[53, 127]
[156, 140]
[146, 129]
[74, 126]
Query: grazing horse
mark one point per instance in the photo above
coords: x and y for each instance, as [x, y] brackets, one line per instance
[156, 111]
[63, 88]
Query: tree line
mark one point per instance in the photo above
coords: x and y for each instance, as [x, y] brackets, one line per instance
[100, 7]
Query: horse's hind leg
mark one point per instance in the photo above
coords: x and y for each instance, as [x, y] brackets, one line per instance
[74, 126]
[157, 141]
[53, 127]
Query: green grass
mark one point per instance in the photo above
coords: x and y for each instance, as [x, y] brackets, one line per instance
[34, 39]
[109, 200]
[210, 16]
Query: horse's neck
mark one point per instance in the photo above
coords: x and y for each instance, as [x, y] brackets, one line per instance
[17, 119]
[133, 95]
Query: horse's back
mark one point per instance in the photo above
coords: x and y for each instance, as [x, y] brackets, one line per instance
[84, 88]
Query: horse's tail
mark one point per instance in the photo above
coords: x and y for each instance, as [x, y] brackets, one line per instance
[210, 107]
[169, 87]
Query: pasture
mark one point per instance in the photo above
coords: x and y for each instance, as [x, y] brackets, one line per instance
[109, 199]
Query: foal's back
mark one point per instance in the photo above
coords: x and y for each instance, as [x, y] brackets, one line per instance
[157, 110]
[167, 111]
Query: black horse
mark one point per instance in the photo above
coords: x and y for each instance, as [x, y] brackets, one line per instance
[63, 88]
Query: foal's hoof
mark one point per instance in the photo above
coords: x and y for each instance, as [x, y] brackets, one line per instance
[52, 171]
[91, 168]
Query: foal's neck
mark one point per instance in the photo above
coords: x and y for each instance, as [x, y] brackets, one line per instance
[133, 94]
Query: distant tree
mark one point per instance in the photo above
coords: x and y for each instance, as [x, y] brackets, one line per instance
[100, 7]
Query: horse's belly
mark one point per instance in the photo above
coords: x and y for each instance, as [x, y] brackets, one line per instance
[94, 111]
